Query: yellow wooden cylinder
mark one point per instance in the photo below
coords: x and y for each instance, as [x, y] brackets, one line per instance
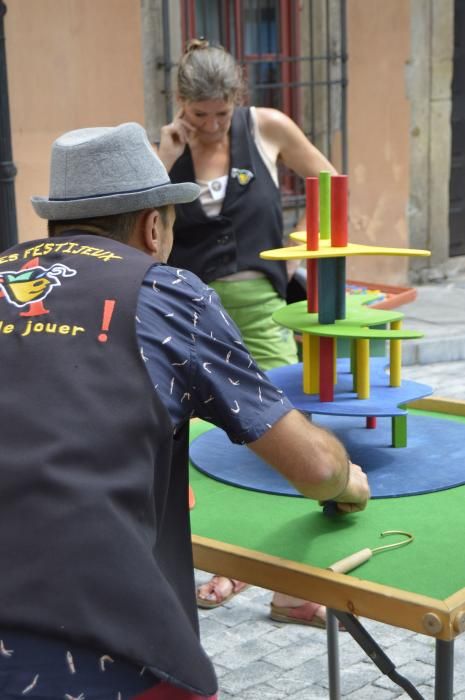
[353, 362]
[311, 364]
[395, 357]
[362, 380]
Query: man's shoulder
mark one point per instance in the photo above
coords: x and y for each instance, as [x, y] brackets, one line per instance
[175, 276]
[178, 284]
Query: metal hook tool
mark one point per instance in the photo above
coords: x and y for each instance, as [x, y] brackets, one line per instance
[353, 560]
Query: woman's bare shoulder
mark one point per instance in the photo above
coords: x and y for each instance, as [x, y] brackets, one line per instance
[275, 126]
[270, 120]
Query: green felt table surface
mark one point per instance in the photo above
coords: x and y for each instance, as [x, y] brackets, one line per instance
[295, 529]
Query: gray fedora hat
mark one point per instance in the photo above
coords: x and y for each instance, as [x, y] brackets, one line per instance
[107, 170]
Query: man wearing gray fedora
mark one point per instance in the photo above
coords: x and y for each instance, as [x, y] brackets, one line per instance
[105, 354]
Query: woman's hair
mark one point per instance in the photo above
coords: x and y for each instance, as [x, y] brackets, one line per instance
[209, 73]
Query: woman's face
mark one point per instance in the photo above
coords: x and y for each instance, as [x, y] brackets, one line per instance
[211, 118]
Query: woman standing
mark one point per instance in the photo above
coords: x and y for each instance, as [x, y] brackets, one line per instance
[232, 152]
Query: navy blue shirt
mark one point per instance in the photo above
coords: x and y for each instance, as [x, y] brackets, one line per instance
[196, 358]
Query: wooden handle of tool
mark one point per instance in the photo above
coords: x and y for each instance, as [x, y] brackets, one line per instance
[348, 563]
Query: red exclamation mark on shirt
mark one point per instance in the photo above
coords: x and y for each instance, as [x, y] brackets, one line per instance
[108, 308]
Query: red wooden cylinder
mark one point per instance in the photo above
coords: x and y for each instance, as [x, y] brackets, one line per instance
[339, 211]
[312, 286]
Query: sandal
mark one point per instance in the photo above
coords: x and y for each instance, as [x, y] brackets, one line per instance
[215, 602]
[305, 614]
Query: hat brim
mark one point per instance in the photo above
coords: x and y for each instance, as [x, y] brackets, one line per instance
[107, 205]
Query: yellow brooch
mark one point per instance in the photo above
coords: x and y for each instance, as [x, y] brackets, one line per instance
[242, 175]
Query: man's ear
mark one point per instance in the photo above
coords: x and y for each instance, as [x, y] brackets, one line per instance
[150, 231]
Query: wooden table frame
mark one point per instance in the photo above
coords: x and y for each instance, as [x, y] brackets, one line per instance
[443, 620]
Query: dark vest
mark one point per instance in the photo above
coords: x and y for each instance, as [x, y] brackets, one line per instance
[94, 526]
[250, 220]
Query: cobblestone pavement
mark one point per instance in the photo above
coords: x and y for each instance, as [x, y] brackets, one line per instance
[258, 659]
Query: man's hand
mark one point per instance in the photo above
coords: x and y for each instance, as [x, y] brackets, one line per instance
[355, 496]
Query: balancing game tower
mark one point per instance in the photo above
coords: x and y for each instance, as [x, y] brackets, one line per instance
[358, 385]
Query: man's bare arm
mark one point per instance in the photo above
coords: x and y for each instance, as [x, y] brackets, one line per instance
[314, 461]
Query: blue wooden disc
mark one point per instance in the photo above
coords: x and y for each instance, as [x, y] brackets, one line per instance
[433, 460]
[384, 400]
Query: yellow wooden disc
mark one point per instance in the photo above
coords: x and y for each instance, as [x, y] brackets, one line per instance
[326, 250]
